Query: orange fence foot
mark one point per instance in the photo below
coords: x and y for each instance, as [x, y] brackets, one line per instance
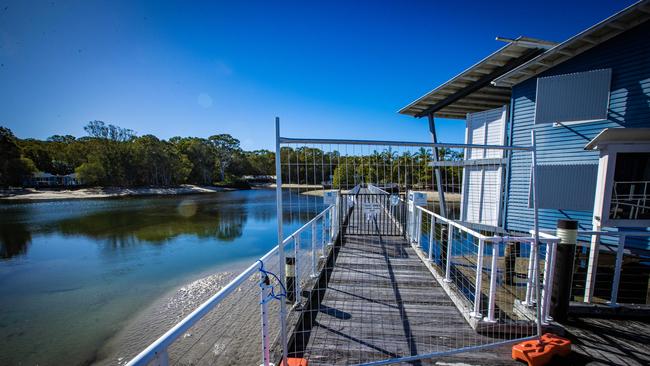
[292, 361]
[539, 352]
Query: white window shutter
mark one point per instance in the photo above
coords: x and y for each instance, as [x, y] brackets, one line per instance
[481, 187]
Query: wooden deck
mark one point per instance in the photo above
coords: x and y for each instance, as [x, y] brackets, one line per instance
[375, 300]
[382, 302]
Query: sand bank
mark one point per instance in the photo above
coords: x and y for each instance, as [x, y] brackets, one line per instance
[101, 192]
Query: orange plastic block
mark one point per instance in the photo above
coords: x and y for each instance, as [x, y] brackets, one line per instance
[539, 352]
[293, 361]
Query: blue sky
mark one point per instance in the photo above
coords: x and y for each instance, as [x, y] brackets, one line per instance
[327, 69]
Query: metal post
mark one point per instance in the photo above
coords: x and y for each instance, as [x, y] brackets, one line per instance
[314, 263]
[296, 251]
[536, 229]
[323, 235]
[161, 359]
[450, 236]
[530, 274]
[592, 267]
[441, 193]
[551, 278]
[617, 270]
[330, 238]
[479, 279]
[493, 283]
[418, 232]
[265, 291]
[432, 231]
[278, 203]
[547, 284]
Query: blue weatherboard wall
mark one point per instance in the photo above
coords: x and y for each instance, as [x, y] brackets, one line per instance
[628, 55]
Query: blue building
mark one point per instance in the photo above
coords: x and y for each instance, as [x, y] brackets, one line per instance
[588, 101]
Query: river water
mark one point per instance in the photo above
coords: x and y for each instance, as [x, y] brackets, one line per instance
[74, 273]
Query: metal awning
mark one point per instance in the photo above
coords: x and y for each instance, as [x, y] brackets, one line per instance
[472, 91]
[619, 136]
[616, 24]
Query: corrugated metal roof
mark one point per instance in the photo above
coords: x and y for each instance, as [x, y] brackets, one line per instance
[616, 24]
[471, 91]
[619, 135]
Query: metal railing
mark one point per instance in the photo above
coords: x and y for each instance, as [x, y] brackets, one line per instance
[459, 253]
[321, 230]
[589, 262]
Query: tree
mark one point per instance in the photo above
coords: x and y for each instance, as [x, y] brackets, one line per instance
[91, 173]
[225, 147]
[200, 153]
[13, 166]
[99, 129]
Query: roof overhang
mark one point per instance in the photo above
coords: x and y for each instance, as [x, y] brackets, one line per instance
[616, 24]
[619, 136]
[471, 90]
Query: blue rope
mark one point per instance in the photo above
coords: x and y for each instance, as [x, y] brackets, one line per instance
[267, 273]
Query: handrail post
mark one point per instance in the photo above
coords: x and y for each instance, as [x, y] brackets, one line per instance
[323, 234]
[547, 287]
[296, 251]
[313, 250]
[493, 283]
[620, 250]
[532, 257]
[432, 231]
[418, 232]
[161, 359]
[450, 237]
[592, 268]
[265, 291]
[478, 282]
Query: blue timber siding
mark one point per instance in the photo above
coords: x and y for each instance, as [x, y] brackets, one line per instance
[628, 55]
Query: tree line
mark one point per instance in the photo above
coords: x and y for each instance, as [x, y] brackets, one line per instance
[114, 156]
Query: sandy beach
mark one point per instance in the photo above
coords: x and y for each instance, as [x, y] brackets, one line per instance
[229, 334]
[104, 192]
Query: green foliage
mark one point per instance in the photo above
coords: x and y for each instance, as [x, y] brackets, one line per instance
[114, 156]
[91, 173]
[14, 167]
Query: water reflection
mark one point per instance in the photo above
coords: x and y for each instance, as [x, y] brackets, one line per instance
[124, 223]
[14, 239]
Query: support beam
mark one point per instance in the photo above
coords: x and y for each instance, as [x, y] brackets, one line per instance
[482, 82]
[441, 193]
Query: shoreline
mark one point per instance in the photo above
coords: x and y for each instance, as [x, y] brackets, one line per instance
[151, 322]
[33, 194]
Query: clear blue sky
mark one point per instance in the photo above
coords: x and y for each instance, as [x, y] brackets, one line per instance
[327, 69]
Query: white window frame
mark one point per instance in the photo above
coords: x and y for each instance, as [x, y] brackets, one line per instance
[605, 184]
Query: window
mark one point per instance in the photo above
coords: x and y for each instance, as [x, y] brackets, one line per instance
[630, 196]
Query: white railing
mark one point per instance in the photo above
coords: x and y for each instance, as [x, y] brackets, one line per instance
[323, 227]
[595, 248]
[497, 243]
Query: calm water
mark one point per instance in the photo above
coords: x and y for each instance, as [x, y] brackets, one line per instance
[72, 273]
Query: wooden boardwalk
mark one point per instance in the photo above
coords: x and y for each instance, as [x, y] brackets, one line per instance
[381, 302]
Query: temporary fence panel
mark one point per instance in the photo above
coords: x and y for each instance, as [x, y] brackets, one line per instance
[370, 271]
[404, 281]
